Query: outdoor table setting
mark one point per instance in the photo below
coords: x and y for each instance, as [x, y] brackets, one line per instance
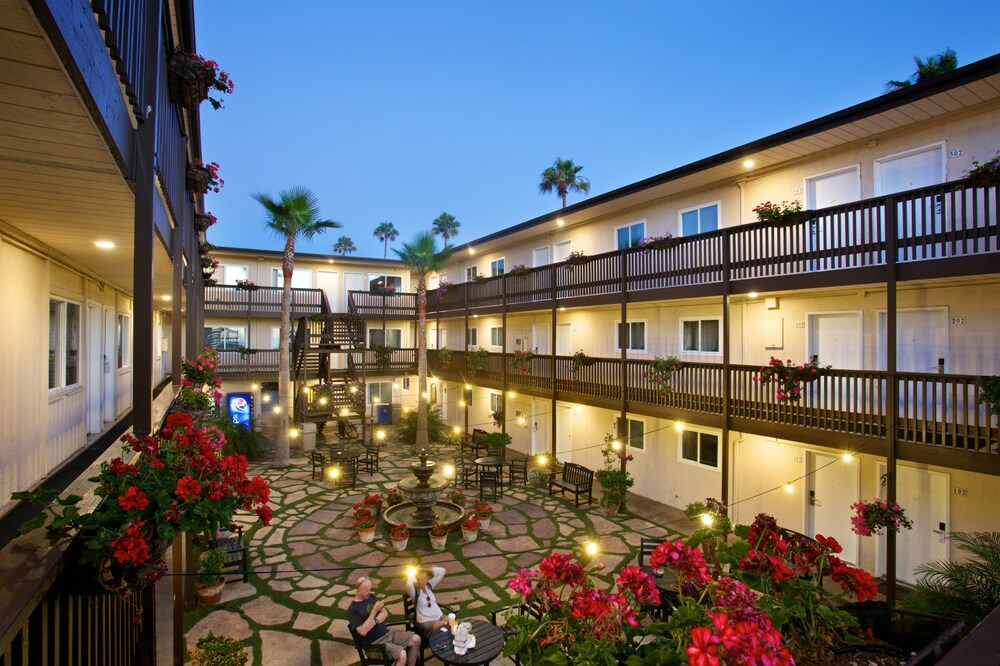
[490, 462]
[474, 642]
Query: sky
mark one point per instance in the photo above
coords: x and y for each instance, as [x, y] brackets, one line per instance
[401, 111]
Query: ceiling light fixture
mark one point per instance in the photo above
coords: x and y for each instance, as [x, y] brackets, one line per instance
[105, 245]
[748, 163]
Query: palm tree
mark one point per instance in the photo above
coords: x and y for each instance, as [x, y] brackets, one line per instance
[446, 226]
[344, 245]
[935, 65]
[386, 232]
[294, 213]
[562, 177]
[421, 255]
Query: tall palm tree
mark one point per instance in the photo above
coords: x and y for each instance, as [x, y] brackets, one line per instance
[935, 65]
[344, 245]
[295, 212]
[562, 177]
[446, 226]
[386, 232]
[421, 255]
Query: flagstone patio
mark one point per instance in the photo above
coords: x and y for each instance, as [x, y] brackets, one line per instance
[293, 610]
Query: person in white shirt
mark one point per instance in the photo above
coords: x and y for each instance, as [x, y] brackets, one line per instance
[421, 590]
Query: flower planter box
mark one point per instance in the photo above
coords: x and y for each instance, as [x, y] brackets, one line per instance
[665, 243]
[985, 180]
[187, 80]
[198, 178]
[792, 219]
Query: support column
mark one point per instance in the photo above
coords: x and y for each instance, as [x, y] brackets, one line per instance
[177, 296]
[725, 463]
[892, 389]
[622, 431]
[503, 353]
[552, 411]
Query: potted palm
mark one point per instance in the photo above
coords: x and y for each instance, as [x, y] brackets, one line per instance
[484, 512]
[400, 537]
[364, 523]
[210, 581]
[439, 536]
[470, 528]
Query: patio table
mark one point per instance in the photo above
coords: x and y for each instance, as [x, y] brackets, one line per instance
[489, 644]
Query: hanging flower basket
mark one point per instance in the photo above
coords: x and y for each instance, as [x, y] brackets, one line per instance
[202, 221]
[203, 177]
[187, 80]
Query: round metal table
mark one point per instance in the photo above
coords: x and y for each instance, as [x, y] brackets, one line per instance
[489, 644]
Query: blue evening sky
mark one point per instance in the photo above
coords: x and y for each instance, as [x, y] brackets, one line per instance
[399, 111]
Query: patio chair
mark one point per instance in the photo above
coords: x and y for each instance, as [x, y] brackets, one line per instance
[318, 460]
[465, 472]
[517, 467]
[410, 613]
[371, 655]
[369, 460]
[491, 481]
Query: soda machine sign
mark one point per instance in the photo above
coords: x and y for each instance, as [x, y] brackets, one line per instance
[240, 409]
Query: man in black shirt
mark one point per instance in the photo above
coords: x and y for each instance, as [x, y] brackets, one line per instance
[368, 615]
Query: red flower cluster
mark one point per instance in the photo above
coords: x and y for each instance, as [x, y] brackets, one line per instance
[133, 499]
[744, 643]
[131, 547]
[641, 585]
[561, 567]
[688, 562]
[118, 466]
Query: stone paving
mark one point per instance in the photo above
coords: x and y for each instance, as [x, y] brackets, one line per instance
[293, 610]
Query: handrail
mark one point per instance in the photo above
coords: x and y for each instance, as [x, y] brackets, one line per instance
[262, 300]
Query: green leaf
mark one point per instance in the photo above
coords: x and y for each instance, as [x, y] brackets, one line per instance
[742, 531]
[32, 524]
[69, 500]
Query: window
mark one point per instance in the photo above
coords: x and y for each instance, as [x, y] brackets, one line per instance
[629, 235]
[700, 335]
[380, 393]
[406, 383]
[230, 274]
[472, 337]
[64, 343]
[276, 336]
[496, 402]
[635, 336]
[635, 433]
[393, 337]
[391, 282]
[226, 337]
[301, 279]
[470, 273]
[124, 350]
[496, 336]
[496, 267]
[700, 219]
[700, 448]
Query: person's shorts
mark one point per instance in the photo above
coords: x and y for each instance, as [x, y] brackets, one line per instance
[427, 627]
[394, 642]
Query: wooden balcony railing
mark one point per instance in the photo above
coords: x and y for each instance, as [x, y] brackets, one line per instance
[171, 144]
[229, 299]
[232, 362]
[391, 306]
[401, 362]
[936, 410]
[121, 22]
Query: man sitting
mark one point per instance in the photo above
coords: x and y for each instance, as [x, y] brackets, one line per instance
[368, 615]
[429, 615]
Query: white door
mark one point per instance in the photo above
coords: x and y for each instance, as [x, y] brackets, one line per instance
[540, 426]
[540, 257]
[561, 250]
[109, 361]
[909, 170]
[327, 281]
[95, 372]
[833, 188]
[835, 337]
[924, 496]
[437, 338]
[564, 339]
[921, 340]
[564, 432]
[352, 282]
[833, 488]
[540, 338]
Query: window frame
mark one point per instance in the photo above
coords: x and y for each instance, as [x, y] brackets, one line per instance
[630, 348]
[57, 379]
[496, 402]
[629, 420]
[684, 320]
[471, 337]
[629, 226]
[390, 281]
[698, 463]
[471, 272]
[278, 277]
[699, 207]
[370, 392]
[493, 330]
[498, 263]
[241, 332]
[226, 268]
[378, 330]
[123, 341]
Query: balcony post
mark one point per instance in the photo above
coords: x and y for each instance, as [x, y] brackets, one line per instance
[892, 389]
[177, 296]
[503, 351]
[726, 367]
[552, 409]
[622, 430]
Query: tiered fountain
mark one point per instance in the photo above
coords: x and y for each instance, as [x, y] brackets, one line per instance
[424, 510]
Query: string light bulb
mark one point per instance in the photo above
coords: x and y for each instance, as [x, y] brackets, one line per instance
[511, 395]
[323, 401]
[707, 520]
[380, 435]
[406, 410]
[277, 409]
[266, 397]
[679, 427]
[449, 471]
[293, 432]
[789, 488]
[847, 457]
[343, 411]
[461, 403]
[456, 430]
[425, 395]
[354, 389]
[616, 445]
[590, 548]
[254, 387]
[521, 421]
[411, 572]
[468, 387]
[334, 473]
[543, 460]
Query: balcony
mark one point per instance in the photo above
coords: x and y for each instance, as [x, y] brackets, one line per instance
[230, 301]
[937, 418]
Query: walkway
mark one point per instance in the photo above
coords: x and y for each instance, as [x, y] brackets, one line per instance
[293, 610]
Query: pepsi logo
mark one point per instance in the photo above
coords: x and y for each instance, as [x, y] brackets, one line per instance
[239, 403]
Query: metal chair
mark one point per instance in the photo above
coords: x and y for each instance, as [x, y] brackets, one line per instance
[410, 613]
[369, 460]
[236, 552]
[517, 467]
[348, 470]
[491, 480]
[465, 472]
[319, 464]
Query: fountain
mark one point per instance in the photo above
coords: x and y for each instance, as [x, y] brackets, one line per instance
[424, 510]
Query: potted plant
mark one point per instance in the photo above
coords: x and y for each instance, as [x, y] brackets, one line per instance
[661, 372]
[400, 537]
[202, 221]
[443, 288]
[190, 78]
[364, 523]
[788, 377]
[209, 582]
[614, 488]
[986, 174]
[989, 393]
[383, 357]
[650, 243]
[498, 418]
[439, 536]
[873, 516]
[356, 395]
[497, 442]
[457, 496]
[783, 214]
[444, 356]
[373, 503]
[519, 270]
[475, 360]
[484, 512]
[522, 361]
[215, 650]
[478, 278]
[394, 496]
[470, 528]
[246, 285]
[203, 177]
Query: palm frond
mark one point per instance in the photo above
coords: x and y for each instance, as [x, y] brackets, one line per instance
[422, 255]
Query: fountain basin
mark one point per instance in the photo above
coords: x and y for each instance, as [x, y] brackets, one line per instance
[448, 513]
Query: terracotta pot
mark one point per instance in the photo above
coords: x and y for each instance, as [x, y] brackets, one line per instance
[209, 594]
[469, 535]
[439, 542]
[367, 535]
[486, 522]
[400, 544]
[612, 509]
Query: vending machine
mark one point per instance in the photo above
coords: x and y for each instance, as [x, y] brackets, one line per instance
[240, 407]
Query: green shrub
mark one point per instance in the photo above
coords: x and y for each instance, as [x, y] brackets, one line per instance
[407, 432]
[215, 650]
[212, 563]
[249, 443]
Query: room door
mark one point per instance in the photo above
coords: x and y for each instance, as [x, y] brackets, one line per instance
[922, 348]
[352, 282]
[564, 432]
[327, 281]
[561, 250]
[540, 426]
[108, 361]
[95, 373]
[923, 494]
[540, 339]
[540, 257]
[836, 339]
[833, 488]
[564, 339]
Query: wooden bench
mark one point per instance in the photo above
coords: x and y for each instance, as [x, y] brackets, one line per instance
[576, 479]
[477, 445]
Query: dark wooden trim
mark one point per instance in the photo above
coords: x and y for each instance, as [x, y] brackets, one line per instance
[892, 392]
[949, 458]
